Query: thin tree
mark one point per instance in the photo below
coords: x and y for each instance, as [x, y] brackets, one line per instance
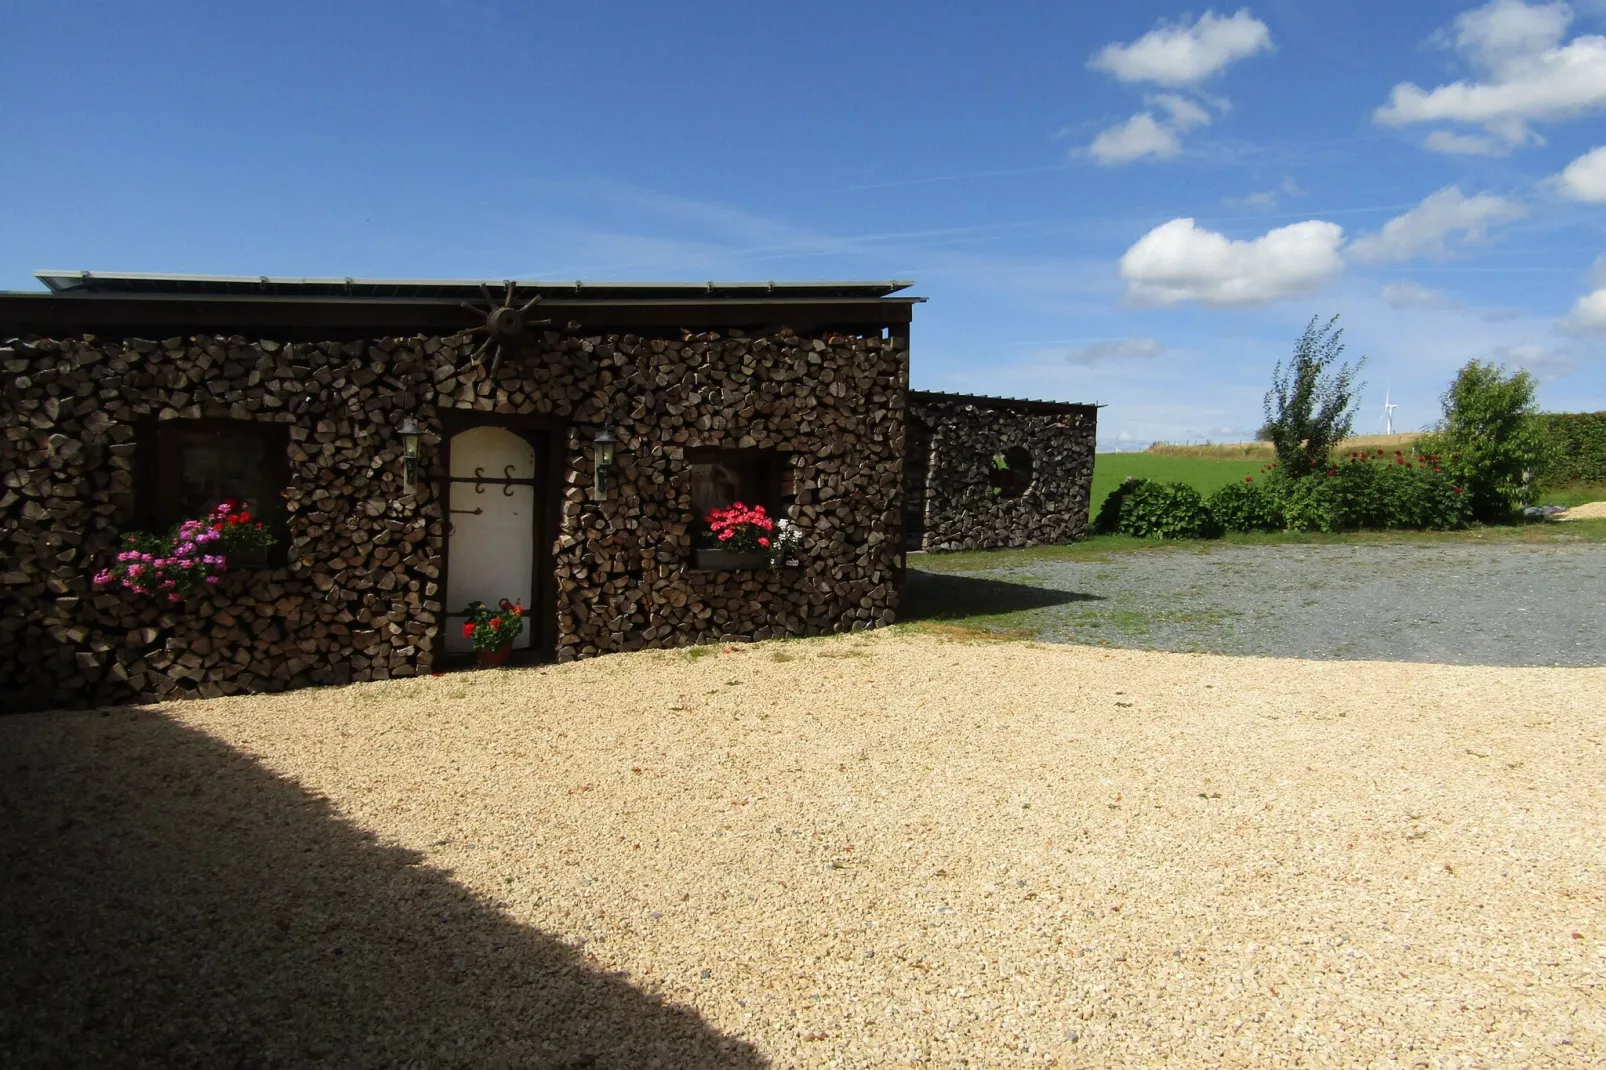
[1310, 407]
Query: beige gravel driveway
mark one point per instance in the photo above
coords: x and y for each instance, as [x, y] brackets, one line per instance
[886, 850]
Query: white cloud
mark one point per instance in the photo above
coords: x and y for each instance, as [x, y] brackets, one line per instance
[1140, 136]
[1588, 315]
[1265, 200]
[1425, 228]
[1465, 144]
[1585, 178]
[1527, 75]
[1544, 362]
[1410, 294]
[1183, 113]
[1183, 53]
[1115, 350]
[1178, 261]
[1144, 135]
[1502, 34]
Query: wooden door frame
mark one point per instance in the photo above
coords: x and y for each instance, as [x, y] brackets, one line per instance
[548, 435]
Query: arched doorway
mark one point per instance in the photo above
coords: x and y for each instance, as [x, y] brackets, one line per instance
[494, 505]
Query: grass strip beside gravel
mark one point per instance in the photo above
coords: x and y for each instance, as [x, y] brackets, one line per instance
[1103, 547]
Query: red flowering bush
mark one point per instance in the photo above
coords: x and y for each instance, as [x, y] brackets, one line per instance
[190, 557]
[1374, 490]
[743, 529]
[492, 629]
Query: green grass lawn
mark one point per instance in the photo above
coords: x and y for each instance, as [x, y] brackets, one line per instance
[1204, 474]
[1569, 494]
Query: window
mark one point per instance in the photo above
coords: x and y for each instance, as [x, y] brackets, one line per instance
[188, 466]
[753, 477]
[1010, 473]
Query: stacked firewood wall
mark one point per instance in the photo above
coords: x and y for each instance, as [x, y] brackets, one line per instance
[962, 511]
[359, 596]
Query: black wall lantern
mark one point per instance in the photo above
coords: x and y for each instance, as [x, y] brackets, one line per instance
[410, 433]
[602, 459]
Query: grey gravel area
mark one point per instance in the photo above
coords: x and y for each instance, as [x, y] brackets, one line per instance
[1458, 605]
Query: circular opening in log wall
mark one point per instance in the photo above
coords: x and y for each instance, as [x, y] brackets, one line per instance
[1010, 473]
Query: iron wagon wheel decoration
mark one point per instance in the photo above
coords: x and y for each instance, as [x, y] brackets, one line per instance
[505, 323]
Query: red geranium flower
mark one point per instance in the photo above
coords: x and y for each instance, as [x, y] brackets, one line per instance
[468, 629]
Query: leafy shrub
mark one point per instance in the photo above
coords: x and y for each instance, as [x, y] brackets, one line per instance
[1165, 511]
[1376, 491]
[1577, 448]
[1246, 506]
[1492, 436]
[1310, 504]
[1109, 519]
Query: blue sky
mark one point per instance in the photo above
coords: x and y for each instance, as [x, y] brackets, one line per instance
[1136, 204]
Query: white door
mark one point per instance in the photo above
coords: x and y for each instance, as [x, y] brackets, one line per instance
[490, 545]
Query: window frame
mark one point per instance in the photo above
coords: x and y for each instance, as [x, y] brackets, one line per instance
[776, 476]
[156, 499]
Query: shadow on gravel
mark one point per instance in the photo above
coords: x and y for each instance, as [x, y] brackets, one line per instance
[939, 596]
[167, 901]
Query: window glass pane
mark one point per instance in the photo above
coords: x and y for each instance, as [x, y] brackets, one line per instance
[198, 467]
[213, 467]
[752, 477]
[714, 486]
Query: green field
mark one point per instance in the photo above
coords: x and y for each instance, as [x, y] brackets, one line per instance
[1203, 473]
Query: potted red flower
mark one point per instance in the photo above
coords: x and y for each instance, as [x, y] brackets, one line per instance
[741, 537]
[492, 631]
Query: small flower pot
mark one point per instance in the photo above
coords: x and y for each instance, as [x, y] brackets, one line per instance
[497, 656]
[730, 560]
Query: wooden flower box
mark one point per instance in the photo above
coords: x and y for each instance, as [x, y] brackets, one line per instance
[729, 560]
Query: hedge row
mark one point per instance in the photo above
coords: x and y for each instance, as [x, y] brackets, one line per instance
[1577, 447]
[1362, 492]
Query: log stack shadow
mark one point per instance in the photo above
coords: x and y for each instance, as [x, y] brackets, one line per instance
[166, 900]
[937, 596]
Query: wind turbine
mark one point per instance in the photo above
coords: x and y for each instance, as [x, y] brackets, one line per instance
[1388, 413]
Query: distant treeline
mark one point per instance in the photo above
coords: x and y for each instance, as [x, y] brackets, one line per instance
[1262, 451]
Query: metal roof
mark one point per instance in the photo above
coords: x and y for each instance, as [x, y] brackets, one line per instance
[988, 401]
[324, 309]
[131, 283]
